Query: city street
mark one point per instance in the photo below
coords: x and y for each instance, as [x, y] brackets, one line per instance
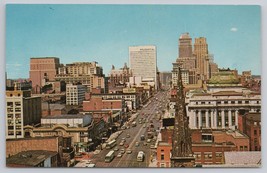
[148, 112]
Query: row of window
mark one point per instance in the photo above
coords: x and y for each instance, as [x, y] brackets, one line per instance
[227, 102]
[207, 155]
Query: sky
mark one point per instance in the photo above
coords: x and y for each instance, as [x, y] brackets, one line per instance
[103, 33]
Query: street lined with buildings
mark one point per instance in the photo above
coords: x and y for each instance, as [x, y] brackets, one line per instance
[197, 115]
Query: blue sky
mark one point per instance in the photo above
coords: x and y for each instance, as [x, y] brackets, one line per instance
[103, 33]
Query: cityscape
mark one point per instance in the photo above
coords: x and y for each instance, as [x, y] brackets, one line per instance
[140, 114]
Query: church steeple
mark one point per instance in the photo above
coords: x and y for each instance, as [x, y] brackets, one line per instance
[181, 138]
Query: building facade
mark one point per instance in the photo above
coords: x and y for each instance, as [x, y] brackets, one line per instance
[202, 57]
[118, 77]
[41, 70]
[143, 62]
[21, 109]
[75, 94]
[219, 110]
[250, 124]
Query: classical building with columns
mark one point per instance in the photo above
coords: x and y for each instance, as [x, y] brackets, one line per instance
[219, 110]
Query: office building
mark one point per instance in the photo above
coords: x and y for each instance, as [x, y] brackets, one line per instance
[75, 94]
[143, 62]
[43, 69]
[21, 110]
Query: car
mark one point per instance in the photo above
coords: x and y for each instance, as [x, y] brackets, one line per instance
[144, 126]
[148, 140]
[116, 149]
[128, 135]
[122, 143]
[126, 145]
[137, 144]
[128, 151]
[122, 151]
[119, 155]
[145, 144]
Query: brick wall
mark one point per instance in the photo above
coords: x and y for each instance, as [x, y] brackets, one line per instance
[18, 145]
[97, 104]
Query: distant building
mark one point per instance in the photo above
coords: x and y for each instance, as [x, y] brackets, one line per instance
[219, 110]
[213, 66]
[202, 57]
[53, 109]
[250, 124]
[143, 62]
[132, 100]
[118, 77]
[21, 110]
[89, 74]
[186, 61]
[165, 79]
[98, 103]
[42, 69]
[75, 94]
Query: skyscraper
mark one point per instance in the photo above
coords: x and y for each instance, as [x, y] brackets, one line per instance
[202, 57]
[185, 45]
[186, 61]
[143, 62]
[42, 69]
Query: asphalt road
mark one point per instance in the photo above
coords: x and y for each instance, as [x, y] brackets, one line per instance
[149, 112]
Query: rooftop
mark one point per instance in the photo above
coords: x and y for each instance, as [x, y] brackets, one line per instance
[30, 158]
[67, 116]
[243, 158]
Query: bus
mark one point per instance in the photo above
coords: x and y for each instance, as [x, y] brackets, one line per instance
[140, 156]
[110, 156]
[111, 144]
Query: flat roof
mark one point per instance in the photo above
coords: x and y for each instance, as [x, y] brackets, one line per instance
[30, 158]
[67, 116]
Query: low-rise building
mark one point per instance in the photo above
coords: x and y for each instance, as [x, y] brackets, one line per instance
[250, 124]
[33, 158]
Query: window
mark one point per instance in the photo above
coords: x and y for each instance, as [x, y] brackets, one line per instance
[207, 138]
[245, 148]
[255, 132]
[162, 157]
[197, 155]
[232, 102]
[218, 155]
[207, 156]
[247, 102]
[241, 148]
[239, 102]
[225, 102]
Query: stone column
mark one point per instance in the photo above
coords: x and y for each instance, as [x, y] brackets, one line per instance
[212, 119]
[230, 118]
[236, 118]
[199, 119]
[195, 119]
[207, 119]
[215, 115]
[223, 119]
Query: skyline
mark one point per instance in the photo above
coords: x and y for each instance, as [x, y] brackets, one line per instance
[76, 33]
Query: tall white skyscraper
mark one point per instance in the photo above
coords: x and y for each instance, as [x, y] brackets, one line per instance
[143, 62]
